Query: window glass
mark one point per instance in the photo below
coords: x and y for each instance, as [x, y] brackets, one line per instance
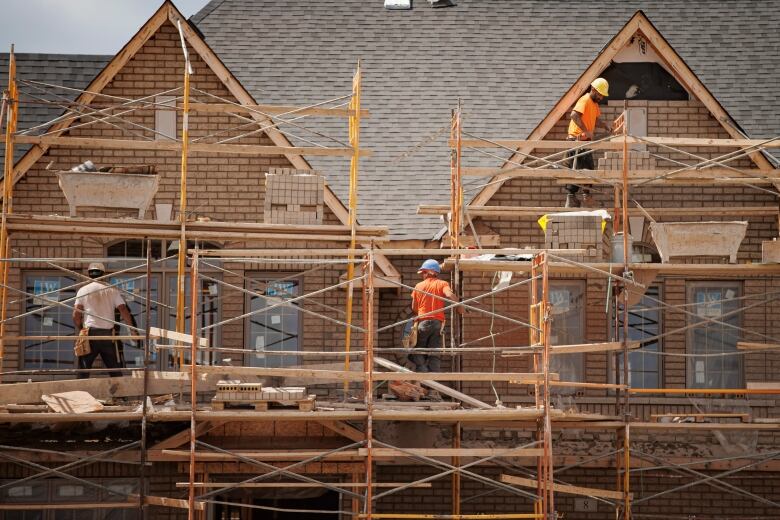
[208, 314]
[277, 328]
[48, 318]
[644, 321]
[568, 328]
[716, 301]
[132, 287]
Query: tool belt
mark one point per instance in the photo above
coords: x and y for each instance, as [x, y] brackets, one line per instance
[81, 347]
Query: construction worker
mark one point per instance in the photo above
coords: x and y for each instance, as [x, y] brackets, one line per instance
[585, 118]
[94, 310]
[428, 304]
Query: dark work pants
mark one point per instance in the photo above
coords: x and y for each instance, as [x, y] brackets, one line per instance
[583, 161]
[428, 336]
[107, 351]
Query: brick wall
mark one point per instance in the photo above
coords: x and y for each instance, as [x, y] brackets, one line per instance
[220, 187]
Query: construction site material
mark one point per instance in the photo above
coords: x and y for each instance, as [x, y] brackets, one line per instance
[770, 251]
[442, 389]
[700, 417]
[108, 190]
[681, 239]
[76, 401]
[293, 196]
[263, 398]
[746, 345]
[564, 488]
[157, 333]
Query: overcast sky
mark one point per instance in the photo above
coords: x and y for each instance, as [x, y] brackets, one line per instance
[77, 26]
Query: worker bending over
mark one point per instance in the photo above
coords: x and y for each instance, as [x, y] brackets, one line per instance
[585, 118]
[94, 310]
[428, 302]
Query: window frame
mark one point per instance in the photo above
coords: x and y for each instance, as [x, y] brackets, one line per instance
[614, 360]
[255, 276]
[580, 357]
[690, 289]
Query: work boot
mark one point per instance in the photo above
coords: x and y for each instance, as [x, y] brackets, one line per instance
[572, 201]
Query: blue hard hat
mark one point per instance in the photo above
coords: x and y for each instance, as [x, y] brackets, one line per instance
[430, 265]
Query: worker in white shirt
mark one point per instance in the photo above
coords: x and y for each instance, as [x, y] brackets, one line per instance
[94, 310]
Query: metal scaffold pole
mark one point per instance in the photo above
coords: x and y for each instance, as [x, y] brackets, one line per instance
[193, 379]
[180, 303]
[11, 105]
[626, 488]
[354, 142]
[368, 338]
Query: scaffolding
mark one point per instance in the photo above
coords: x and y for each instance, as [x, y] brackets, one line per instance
[540, 482]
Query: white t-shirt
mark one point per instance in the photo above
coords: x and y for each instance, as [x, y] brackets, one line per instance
[99, 302]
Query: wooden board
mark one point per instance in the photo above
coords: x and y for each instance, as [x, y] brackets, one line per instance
[76, 401]
[699, 417]
[253, 150]
[538, 211]
[565, 488]
[158, 333]
[764, 385]
[746, 345]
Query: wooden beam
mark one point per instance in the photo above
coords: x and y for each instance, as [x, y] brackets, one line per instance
[345, 430]
[538, 211]
[442, 389]
[730, 270]
[177, 439]
[201, 230]
[592, 347]
[314, 374]
[254, 150]
[565, 488]
[764, 386]
[512, 377]
[767, 176]
[150, 499]
[158, 333]
[103, 388]
[616, 143]
[294, 485]
[746, 345]
[274, 110]
[391, 453]
[431, 516]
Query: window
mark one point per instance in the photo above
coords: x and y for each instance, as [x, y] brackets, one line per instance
[208, 314]
[644, 321]
[165, 118]
[62, 491]
[278, 328]
[132, 287]
[708, 368]
[568, 327]
[48, 318]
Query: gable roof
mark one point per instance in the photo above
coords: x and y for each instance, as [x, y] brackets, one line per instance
[168, 13]
[69, 70]
[510, 62]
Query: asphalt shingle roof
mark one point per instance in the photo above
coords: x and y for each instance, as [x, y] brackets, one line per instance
[509, 61]
[67, 70]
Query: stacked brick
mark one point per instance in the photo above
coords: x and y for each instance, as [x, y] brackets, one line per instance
[293, 196]
[575, 232]
[636, 161]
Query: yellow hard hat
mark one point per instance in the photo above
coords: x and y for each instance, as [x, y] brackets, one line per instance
[601, 86]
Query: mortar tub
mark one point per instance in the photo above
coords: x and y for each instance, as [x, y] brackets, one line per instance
[698, 239]
[108, 190]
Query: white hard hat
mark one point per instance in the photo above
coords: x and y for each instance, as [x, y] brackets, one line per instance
[96, 266]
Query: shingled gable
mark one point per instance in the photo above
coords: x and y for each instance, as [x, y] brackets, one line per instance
[639, 24]
[168, 12]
